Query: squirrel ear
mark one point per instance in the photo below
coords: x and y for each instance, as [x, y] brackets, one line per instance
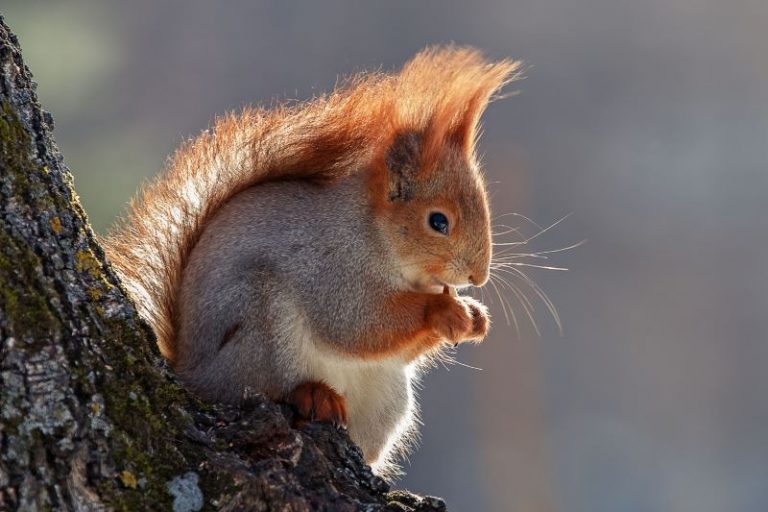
[403, 161]
[464, 132]
[455, 126]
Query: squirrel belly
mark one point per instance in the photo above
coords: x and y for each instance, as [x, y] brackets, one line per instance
[274, 292]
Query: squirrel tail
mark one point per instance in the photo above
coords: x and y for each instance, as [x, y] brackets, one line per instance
[322, 140]
[150, 246]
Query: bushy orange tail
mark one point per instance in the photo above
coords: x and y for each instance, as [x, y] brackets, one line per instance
[441, 89]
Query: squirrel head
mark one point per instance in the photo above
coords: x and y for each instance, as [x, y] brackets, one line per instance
[433, 213]
[427, 193]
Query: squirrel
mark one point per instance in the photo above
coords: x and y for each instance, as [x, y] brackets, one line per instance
[310, 252]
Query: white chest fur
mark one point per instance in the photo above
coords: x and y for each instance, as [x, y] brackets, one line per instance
[379, 396]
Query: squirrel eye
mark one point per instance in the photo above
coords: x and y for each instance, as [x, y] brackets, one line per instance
[439, 222]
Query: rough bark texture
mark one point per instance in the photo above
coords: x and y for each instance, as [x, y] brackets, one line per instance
[90, 417]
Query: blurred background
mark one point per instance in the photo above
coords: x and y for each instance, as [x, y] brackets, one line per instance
[645, 120]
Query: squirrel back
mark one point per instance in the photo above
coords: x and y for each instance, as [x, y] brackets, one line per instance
[441, 91]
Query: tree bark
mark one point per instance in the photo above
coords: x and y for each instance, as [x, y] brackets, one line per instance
[90, 416]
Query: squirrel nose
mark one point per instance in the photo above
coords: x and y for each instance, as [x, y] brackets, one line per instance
[478, 280]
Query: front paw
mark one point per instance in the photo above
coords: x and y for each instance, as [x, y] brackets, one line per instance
[451, 318]
[481, 319]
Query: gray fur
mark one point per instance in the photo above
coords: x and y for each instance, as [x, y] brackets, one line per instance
[299, 267]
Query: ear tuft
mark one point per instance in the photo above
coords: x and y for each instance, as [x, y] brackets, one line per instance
[429, 110]
[443, 91]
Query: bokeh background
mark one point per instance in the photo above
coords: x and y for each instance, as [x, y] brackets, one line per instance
[647, 121]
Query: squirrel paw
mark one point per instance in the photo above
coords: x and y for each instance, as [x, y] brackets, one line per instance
[316, 401]
[458, 319]
[481, 319]
[450, 318]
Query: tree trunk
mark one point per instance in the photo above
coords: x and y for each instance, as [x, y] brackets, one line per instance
[90, 416]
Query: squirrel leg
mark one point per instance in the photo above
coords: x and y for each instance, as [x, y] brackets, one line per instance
[422, 322]
[316, 401]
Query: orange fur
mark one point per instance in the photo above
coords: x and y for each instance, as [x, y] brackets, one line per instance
[316, 401]
[420, 322]
[440, 94]
[408, 333]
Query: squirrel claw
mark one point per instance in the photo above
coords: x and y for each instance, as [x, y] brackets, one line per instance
[316, 401]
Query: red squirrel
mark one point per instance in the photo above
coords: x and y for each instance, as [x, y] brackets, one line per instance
[306, 252]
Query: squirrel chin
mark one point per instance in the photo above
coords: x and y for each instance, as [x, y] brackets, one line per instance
[436, 286]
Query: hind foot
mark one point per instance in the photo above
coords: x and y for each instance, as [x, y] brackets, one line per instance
[316, 401]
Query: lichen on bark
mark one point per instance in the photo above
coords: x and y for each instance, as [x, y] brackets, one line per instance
[90, 416]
